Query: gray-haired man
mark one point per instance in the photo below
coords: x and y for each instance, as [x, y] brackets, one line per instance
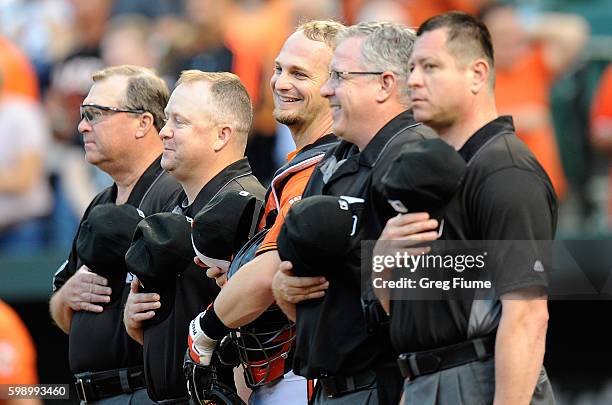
[367, 90]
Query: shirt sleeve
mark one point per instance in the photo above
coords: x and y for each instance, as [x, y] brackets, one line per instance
[516, 213]
[292, 192]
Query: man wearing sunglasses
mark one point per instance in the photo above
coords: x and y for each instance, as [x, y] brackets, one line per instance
[120, 122]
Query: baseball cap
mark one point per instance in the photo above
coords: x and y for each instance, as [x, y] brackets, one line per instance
[424, 177]
[104, 238]
[224, 224]
[160, 249]
[318, 230]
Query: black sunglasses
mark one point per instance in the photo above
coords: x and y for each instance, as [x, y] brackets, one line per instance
[93, 113]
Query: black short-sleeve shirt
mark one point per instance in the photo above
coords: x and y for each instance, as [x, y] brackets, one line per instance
[332, 336]
[99, 342]
[165, 342]
[505, 195]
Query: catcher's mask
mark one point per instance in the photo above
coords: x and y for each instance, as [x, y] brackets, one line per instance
[264, 347]
[204, 386]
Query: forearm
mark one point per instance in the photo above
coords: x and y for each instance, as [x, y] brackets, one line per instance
[249, 292]
[519, 354]
[61, 313]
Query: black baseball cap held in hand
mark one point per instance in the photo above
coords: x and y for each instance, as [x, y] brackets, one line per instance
[225, 224]
[317, 231]
[160, 249]
[424, 177]
[105, 236]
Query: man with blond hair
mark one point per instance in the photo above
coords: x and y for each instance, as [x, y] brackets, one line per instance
[208, 118]
[301, 68]
[120, 122]
[350, 353]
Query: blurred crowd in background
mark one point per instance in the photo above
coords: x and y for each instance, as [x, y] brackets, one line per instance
[548, 74]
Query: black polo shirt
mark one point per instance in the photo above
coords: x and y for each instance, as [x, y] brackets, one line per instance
[165, 342]
[505, 195]
[99, 342]
[332, 339]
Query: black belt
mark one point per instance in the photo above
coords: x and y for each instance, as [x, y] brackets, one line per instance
[416, 364]
[339, 385]
[92, 387]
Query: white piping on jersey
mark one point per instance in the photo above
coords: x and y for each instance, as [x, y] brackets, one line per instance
[291, 169]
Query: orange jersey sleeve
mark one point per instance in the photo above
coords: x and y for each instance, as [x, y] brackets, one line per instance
[292, 192]
[17, 353]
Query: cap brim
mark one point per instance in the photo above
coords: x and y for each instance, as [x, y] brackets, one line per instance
[209, 261]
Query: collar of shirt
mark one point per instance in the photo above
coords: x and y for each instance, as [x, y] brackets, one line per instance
[142, 185]
[370, 155]
[235, 170]
[483, 135]
[324, 139]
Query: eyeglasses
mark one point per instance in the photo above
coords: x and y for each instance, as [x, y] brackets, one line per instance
[336, 76]
[94, 113]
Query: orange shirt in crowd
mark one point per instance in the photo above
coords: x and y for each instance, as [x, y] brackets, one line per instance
[526, 87]
[17, 353]
[292, 192]
[255, 38]
[601, 110]
[18, 72]
[418, 10]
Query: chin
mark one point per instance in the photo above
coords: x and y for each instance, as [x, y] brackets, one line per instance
[286, 118]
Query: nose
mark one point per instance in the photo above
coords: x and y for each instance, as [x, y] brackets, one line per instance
[327, 90]
[165, 132]
[414, 78]
[84, 126]
[279, 81]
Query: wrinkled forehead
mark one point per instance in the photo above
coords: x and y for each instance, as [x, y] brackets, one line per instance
[347, 55]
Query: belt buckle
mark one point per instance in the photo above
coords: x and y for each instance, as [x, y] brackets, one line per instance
[80, 386]
[330, 388]
[403, 362]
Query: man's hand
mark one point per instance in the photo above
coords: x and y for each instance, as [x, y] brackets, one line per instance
[401, 234]
[138, 308]
[288, 289]
[201, 347]
[414, 227]
[216, 273]
[82, 292]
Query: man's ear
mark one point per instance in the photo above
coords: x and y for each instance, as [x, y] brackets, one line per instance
[224, 135]
[479, 75]
[145, 123]
[388, 82]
